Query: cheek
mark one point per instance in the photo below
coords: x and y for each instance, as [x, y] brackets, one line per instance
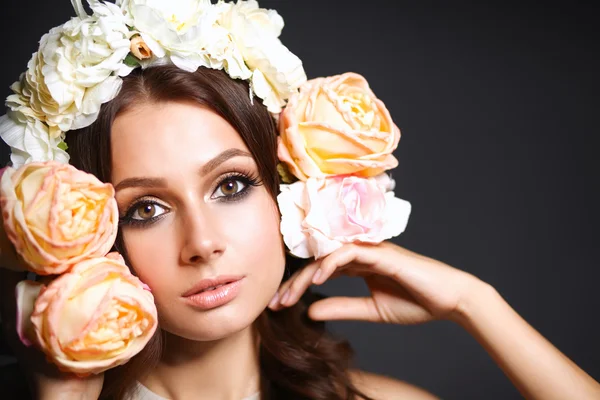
[150, 253]
[254, 240]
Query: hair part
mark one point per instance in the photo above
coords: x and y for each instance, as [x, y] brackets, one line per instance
[298, 359]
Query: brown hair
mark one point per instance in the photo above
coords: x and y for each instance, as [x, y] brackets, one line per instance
[298, 359]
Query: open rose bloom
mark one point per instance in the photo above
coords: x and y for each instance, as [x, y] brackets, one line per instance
[336, 126]
[95, 317]
[322, 214]
[56, 215]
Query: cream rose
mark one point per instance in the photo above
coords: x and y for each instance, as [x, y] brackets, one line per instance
[276, 72]
[75, 70]
[319, 215]
[93, 318]
[335, 126]
[56, 215]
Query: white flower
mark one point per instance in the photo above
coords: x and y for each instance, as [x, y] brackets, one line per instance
[29, 140]
[224, 54]
[319, 215]
[277, 73]
[75, 70]
[181, 30]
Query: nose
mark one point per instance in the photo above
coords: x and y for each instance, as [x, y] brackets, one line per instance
[202, 240]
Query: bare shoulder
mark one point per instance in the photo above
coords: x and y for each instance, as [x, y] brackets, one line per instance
[383, 387]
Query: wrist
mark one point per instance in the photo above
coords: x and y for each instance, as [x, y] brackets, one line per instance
[478, 295]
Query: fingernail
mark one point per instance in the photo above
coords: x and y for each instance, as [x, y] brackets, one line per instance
[316, 276]
[286, 297]
[274, 300]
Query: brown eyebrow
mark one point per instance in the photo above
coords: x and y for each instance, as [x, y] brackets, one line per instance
[141, 182]
[160, 182]
[221, 158]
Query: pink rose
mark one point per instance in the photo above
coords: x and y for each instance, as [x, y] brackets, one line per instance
[336, 126]
[90, 319]
[321, 214]
[56, 215]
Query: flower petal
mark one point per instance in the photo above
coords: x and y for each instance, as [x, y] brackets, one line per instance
[154, 46]
[292, 216]
[26, 292]
[397, 214]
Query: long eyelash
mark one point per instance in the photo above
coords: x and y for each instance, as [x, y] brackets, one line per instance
[247, 178]
[127, 220]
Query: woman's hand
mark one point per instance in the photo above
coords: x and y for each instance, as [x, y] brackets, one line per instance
[406, 288]
[45, 379]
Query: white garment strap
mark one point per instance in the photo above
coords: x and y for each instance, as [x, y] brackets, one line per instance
[143, 393]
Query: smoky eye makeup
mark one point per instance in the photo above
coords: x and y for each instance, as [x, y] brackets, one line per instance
[234, 186]
[230, 187]
[144, 211]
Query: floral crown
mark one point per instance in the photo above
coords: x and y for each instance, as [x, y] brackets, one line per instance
[80, 64]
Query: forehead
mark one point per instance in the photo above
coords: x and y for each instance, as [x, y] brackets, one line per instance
[157, 138]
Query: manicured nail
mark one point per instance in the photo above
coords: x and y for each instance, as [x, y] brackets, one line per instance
[274, 300]
[286, 297]
[316, 276]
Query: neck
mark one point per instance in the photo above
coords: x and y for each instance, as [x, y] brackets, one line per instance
[226, 369]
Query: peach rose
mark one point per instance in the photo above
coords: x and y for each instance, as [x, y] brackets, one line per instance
[320, 215]
[56, 215]
[90, 319]
[336, 126]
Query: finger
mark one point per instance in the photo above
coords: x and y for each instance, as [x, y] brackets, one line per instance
[344, 308]
[368, 258]
[274, 304]
[291, 290]
[365, 309]
[299, 285]
[349, 256]
[352, 269]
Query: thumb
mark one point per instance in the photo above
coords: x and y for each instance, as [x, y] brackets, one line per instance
[344, 308]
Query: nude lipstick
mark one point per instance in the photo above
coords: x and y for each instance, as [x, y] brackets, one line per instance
[212, 293]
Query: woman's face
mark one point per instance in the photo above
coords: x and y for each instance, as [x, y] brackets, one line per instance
[195, 216]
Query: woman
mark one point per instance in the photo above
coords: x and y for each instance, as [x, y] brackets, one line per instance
[194, 165]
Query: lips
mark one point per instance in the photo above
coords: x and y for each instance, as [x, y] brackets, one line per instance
[212, 293]
[211, 284]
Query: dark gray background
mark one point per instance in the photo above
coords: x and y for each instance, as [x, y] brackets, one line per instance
[498, 104]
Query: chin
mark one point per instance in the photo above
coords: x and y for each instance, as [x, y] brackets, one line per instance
[215, 324]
